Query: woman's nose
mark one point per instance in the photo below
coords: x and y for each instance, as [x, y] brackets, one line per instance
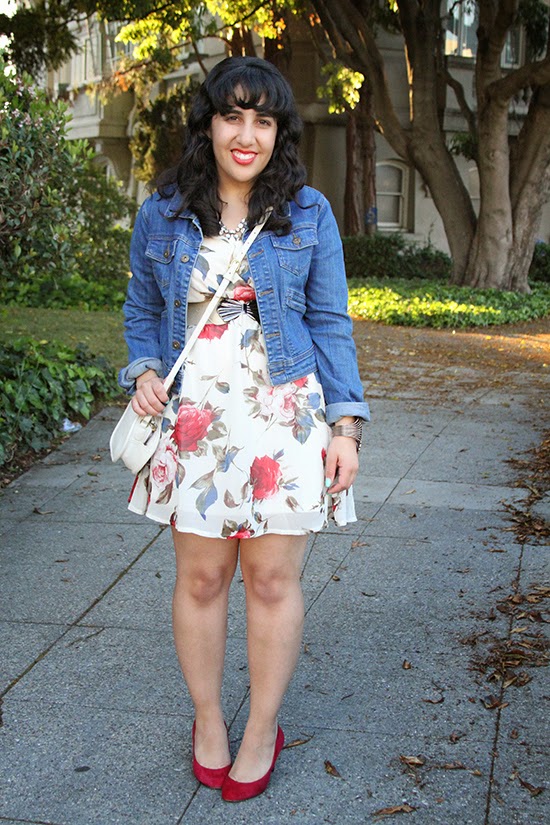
[246, 133]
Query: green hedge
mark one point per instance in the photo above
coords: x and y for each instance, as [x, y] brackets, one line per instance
[43, 383]
[391, 256]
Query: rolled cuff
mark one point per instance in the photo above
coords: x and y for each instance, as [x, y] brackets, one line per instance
[127, 375]
[359, 409]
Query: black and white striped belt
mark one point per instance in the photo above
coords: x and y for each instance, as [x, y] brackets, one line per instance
[229, 309]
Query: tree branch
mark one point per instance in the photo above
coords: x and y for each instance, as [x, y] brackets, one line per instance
[355, 45]
[536, 73]
[467, 112]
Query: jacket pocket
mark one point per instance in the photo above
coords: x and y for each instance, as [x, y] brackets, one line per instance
[161, 252]
[294, 250]
[296, 300]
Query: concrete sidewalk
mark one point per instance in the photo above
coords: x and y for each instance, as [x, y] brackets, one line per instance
[96, 722]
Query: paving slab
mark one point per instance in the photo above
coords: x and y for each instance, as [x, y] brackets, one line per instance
[58, 577]
[93, 767]
[400, 607]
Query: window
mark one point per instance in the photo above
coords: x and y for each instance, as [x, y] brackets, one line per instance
[461, 28]
[392, 179]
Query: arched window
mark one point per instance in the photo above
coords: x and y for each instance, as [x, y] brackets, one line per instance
[392, 183]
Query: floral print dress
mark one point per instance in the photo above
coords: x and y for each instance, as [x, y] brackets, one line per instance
[238, 457]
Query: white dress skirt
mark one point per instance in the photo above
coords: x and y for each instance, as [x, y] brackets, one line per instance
[238, 457]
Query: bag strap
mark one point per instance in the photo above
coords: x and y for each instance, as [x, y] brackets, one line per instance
[230, 277]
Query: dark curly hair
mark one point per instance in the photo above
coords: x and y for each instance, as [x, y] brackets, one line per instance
[249, 83]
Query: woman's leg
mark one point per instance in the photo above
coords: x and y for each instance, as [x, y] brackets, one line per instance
[271, 567]
[204, 570]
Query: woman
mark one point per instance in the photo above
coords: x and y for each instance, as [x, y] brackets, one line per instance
[247, 459]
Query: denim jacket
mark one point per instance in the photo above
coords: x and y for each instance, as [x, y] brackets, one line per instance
[300, 286]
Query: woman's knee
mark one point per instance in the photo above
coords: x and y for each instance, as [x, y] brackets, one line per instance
[205, 585]
[271, 585]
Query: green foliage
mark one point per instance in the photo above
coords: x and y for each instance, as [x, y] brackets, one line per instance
[158, 137]
[59, 245]
[465, 144]
[391, 256]
[341, 89]
[40, 34]
[436, 304]
[43, 383]
[540, 265]
[533, 16]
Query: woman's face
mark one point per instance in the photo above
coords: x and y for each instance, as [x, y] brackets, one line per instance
[243, 141]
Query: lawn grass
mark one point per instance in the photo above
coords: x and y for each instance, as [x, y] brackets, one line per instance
[423, 303]
[102, 332]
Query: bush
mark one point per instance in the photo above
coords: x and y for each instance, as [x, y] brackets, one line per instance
[43, 383]
[58, 210]
[391, 256]
[436, 304]
[540, 265]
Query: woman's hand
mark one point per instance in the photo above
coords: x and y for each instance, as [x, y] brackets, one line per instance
[342, 463]
[150, 397]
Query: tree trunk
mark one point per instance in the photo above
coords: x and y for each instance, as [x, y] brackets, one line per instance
[369, 160]
[353, 194]
[428, 148]
[360, 192]
[492, 246]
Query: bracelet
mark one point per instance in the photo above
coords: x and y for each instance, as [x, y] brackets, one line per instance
[353, 430]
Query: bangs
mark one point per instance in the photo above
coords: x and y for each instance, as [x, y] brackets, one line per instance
[249, 87]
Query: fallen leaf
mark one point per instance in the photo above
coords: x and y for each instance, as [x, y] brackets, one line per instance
[297, 742]
[413, 761]
[406, 665]
[395, 809]
[330, 769]
[456, 735]
[496, 550]
[335, 578]
[437, 701]
[514, 733]
[518, 629]
[409, 492]
[359, 544]
[492, 703]
[40, 512]
[531, 788]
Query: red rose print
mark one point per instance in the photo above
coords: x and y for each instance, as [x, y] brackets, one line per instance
[264, 477]
[213, 331]
[323, 455]
[244, 292]
[191, 426]
[241, 534]
[164, 466]
[300, 382]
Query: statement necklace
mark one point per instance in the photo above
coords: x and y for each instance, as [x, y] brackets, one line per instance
[234, 234]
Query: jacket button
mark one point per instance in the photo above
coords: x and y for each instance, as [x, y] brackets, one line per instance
[296, 240]
[166, 253]
[184, 258]
[177, 303]
[176, 345]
